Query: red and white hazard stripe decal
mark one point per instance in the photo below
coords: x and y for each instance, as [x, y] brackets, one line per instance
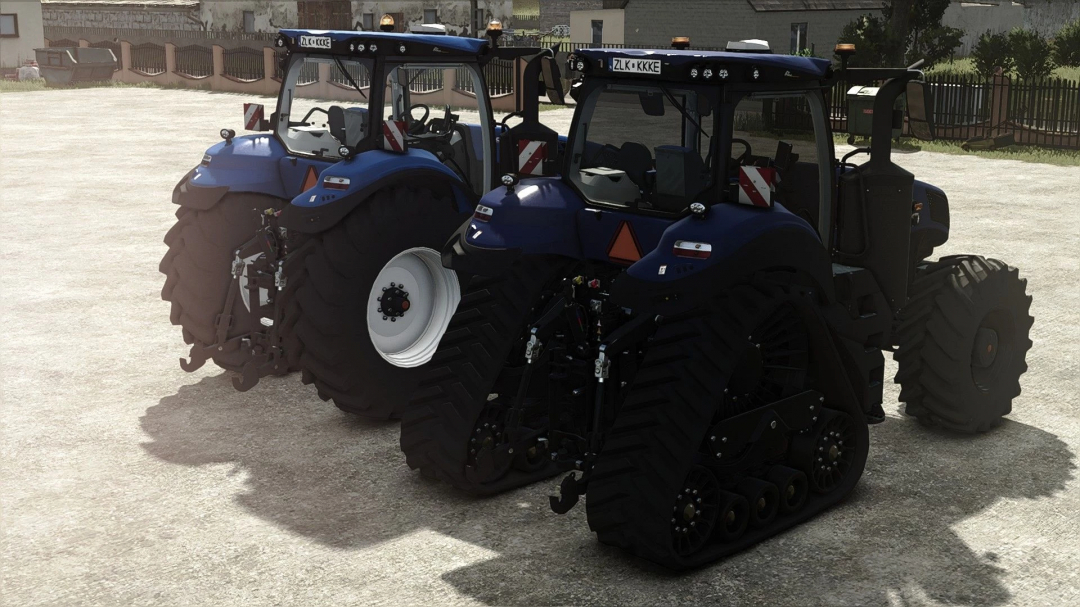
[531, 156]
[693, 250]
[253, 116]
[394, 135]
[756, 186]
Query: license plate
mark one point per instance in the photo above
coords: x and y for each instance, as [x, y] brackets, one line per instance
[636, 66]
[315, 41]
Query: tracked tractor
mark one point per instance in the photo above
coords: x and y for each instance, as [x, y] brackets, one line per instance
[314, 245]
[689, 318]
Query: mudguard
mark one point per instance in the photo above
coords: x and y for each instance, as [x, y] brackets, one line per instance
[744, 241]
[537, 218]
[931, 229]
[248, 164]
[352, 181]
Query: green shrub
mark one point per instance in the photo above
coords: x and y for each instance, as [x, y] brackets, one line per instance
[1067, 45]
[991, 52]
[872, 42]
[1031, 53]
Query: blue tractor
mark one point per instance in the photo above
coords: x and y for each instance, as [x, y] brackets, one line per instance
[314, 246]
[690, 318]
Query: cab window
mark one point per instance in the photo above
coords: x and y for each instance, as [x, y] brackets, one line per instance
[644, 147]
[315, 88]
[783, 134]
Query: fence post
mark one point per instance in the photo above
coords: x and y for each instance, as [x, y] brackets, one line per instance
[170, 63]
[217, 79]
[125, 61]
[84, 43]
[999, 101]
[269, 84]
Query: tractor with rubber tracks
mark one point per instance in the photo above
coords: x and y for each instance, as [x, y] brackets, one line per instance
[689, 319]
[314, 245]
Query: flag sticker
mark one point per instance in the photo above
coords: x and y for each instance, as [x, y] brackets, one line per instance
[394, 136]
[531, 157]
[756, 186]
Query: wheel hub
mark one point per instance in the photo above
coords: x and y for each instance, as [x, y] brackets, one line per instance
[695, 512]
[985, 349]
[394, 302]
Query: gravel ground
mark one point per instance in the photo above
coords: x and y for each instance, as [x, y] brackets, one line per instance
[128, 481]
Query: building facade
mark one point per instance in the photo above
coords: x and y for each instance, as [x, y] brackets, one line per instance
[126, 14]
[20, 32]
[788, 25]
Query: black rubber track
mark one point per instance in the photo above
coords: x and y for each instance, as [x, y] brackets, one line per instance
[948, 300]
[198, 269]
[325, 324]
[657, 434]
[490, 321]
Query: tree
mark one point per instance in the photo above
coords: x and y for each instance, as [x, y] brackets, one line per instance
[1067, 45]
[991, 52]
[1031, 53]
[907, 31]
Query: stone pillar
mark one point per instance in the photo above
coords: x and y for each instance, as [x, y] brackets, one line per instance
[84, 43]
[269, 84]
[999, 101]
[217, 79]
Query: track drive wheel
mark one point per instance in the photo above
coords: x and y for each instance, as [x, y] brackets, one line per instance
[455, 412]
[964, 336]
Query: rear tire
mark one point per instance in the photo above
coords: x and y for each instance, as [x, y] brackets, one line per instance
[326, 322]
[964, 336]
[198, 270]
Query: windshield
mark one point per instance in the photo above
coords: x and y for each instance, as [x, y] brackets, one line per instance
[646, 147]
[314, 88]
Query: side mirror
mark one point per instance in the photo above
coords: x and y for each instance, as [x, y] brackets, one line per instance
[549, 71]
[335, 119]
[652, 104]
[255, 117]
[920, 106]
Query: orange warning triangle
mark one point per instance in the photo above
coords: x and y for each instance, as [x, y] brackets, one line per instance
[624, 247]
[310, 179]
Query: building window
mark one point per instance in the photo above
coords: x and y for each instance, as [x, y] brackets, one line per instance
[9, 26]
[249, 21]
[481, 22]
[369, 21]
[431, 15]
[798, 37]
[598, 31]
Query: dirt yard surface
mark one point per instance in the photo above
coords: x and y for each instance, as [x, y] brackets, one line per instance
[127, 481]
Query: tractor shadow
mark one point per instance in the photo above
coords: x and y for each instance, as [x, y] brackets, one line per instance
[343, 482]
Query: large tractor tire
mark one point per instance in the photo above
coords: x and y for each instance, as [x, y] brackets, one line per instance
[963, 339]
[372, 299]
[451, 406]
[665, 490]
[198, 270]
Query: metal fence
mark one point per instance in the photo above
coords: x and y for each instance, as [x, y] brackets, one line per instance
[195, 61]
[148, 58]
[63, 43]
[1042, 112]
[359, 74]
[498, 73]
[425, 80]
[243, 63]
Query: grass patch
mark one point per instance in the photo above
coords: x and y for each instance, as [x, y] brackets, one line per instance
[1023, 153]
[965, 65]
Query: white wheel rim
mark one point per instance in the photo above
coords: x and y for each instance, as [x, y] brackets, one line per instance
[409, 337]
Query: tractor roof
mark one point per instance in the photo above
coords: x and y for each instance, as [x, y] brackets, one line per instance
[678, 64]
[339, 41]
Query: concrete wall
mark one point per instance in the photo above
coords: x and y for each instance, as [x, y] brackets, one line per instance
[13, 51]
[975, 19]
[614, 25]
[712, 23]
[557, 12]
[158, 17]
[271, 15]
[228, 15]
[1048, 18]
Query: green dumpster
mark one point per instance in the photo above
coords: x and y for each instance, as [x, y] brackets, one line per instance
[61, 66]
[861, 111]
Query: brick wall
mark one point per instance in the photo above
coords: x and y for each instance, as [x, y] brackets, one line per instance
[713, 23]
[141, 18]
